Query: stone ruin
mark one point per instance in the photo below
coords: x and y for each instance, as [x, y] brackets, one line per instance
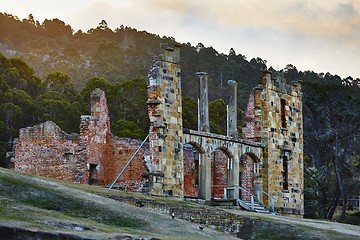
[92, 157]
[267, 160]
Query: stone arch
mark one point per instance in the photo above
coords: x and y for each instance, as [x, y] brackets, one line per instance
[227, 152]
[252, 156]
[197, 146]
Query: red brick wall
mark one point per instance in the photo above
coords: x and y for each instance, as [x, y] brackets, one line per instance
[247, 177]
[94, 139]
[120, 152]
[248, 131]
[47, 151]
[191, 173]
[219, 162]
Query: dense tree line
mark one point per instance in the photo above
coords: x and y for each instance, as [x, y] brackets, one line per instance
[65, 66]
[26, 100]
[332, 146]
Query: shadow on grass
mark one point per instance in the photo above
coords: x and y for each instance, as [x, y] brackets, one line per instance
[50, 199]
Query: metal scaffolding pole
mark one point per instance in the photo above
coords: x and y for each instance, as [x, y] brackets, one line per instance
[128, 163]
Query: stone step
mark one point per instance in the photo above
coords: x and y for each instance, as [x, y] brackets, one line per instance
[258, 207]
[263, 211]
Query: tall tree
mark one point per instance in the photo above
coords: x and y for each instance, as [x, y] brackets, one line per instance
[332, 133]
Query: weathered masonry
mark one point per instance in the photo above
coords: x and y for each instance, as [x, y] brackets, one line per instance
[94, 156]
[274, 118]
[267, 162]
[265, 165]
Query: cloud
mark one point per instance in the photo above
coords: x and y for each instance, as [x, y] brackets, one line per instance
[346, 10]
[317, 18]
[312, 34]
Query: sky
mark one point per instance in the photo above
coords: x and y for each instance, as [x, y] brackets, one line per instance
[318, 35]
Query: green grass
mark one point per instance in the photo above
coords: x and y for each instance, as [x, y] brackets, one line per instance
[114, 194]
[271, 230]
[352, 217]
[48, 199]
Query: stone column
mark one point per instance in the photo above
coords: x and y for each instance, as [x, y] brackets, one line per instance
[232, 110]
[205, 176]
[203, 113]
[166, 131]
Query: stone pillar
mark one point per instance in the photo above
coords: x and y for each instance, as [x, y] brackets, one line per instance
[232, 110]
[165, 113]
[235, 171]
[203, 114]
[205, 176]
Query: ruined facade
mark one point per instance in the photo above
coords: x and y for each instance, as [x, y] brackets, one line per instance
[94, 156]
[267, 162]
[274, 117]
[46, 150]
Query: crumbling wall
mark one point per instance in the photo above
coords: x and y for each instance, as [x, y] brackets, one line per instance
[248, 130]
[46, 150]
[94, 141]
[94, 156]
[253, 118]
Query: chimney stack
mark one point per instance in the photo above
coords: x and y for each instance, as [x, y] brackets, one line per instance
[203, 112]
[232, 110]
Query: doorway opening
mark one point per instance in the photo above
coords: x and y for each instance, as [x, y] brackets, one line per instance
[93, 175]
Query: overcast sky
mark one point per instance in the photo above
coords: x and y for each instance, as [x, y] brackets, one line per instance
[318, 35]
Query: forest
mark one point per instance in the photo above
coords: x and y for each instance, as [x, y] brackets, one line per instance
[47, 70]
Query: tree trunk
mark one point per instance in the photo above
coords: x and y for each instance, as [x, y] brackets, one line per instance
[334, 204]
[343, 211]
[323, 197]
[338, 169]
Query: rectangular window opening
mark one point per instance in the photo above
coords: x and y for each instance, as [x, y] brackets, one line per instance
[285, 174]
[283, 113]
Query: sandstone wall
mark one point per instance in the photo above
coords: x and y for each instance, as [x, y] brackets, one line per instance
[282, 129]
[165, 114]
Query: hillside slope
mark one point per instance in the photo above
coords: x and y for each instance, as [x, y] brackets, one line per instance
[47, 205]
[40, 204]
